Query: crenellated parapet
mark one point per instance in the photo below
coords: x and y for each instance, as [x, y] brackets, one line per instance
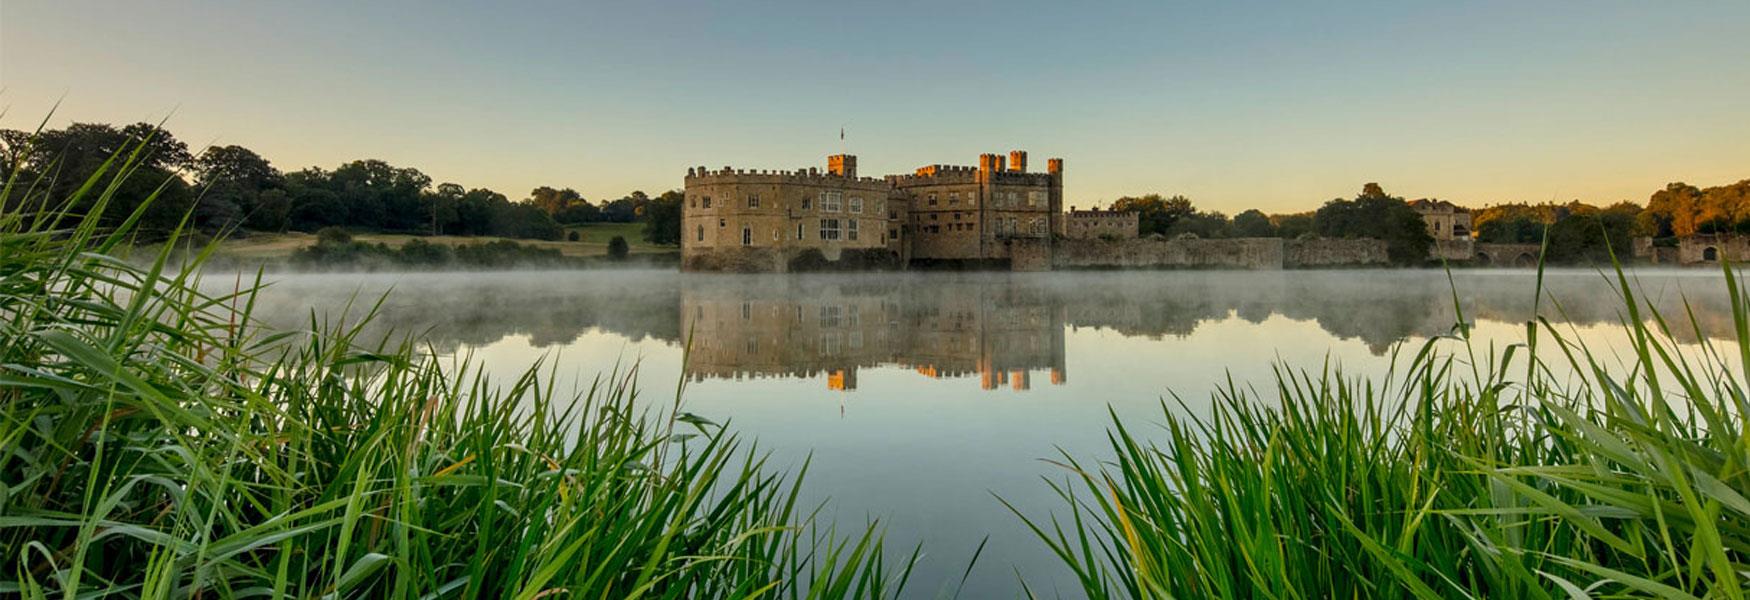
[809, 175]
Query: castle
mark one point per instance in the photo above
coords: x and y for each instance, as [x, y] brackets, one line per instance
[993, 215]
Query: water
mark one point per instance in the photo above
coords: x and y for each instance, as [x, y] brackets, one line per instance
[922, 398]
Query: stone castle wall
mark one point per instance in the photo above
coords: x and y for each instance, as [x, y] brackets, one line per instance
[1317, 253]
[1237, 253]
[1242, 253]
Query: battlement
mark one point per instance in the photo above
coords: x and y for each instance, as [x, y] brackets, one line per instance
[1098, 212]
[810, 175]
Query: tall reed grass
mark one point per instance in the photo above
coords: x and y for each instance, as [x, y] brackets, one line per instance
[156, 442]
[1467, 473]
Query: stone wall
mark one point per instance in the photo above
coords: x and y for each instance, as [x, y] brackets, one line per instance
[1453, 249]
[1317, 253]
[1243, 253]
[1237, 253]
[1711, 248]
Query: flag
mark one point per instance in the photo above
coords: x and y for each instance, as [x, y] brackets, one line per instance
[841, 134]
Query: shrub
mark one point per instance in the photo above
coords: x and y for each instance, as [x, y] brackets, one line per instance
[617, 248]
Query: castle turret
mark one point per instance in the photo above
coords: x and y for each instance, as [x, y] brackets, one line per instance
[1018, 161]
[1054, 166]
[842, 165]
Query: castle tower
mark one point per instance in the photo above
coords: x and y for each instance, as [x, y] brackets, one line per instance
[842, 165]
[1018, 161]
[1054, 166]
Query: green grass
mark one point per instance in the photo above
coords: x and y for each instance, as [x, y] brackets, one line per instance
[592, 241]
[1467, 473]
[155, 441]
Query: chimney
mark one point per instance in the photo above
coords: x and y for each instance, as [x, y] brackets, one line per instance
[842, 165]
[1018, 161]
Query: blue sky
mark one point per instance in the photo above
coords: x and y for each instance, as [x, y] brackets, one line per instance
[1278, 106]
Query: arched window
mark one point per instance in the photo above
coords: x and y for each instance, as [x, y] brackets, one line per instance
[701, 233]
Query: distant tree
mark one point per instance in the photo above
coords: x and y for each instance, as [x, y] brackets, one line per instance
[572, 236]
[1293, 226]
[1514, 223]
[564, 205]
[662, 218]
[617, 248]
[1155, 214]
[1207, 225]
[232, 180]
[67, 158]
[1253, 223]
[626, 209]
[1588, 234]
[1374, 214]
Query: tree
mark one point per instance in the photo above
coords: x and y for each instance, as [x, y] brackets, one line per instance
[1155, 214]
[617, 248]
[561, 204]
[662, 218]
[1253, 223]
[1293, 226]
[233, 179]
[149, 159]
[626, 209]
[1514, 223]
[1374, 214]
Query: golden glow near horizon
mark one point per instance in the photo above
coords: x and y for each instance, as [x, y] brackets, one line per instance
[1278, 108]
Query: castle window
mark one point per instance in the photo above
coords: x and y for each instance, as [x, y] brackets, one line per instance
[753, 201]
[856, 205]
[701, 233]
[953, 198]
[829, 229]
[747, 236]
[1035, 198]
[935, 216]
[831, 201]
[722, 222]
[851, 229]
[798, 230]
[1014, 199]
[807, 203]
[893, 234]
[932, 198]
[707, 201]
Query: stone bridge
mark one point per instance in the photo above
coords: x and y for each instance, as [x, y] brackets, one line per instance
[1505, 255]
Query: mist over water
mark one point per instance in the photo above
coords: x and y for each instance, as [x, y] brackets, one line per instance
[920, 395]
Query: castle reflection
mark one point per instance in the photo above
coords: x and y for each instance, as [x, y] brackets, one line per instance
[1002, 330]
[801, 327]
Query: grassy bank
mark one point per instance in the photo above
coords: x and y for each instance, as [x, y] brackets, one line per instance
[156, 442]
[1468, 473]
[592, 241]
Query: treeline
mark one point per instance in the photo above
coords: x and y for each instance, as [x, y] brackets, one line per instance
[1578, 232]
[233, 187]
[1371, 214]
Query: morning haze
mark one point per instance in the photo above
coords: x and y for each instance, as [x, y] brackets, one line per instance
[876, 300]
[1277, 106]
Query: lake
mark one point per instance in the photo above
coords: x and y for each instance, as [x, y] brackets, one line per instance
[923, 397]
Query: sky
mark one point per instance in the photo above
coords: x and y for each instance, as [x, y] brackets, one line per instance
[1271, 105]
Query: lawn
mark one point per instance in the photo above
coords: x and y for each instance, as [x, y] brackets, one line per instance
[592, 241]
